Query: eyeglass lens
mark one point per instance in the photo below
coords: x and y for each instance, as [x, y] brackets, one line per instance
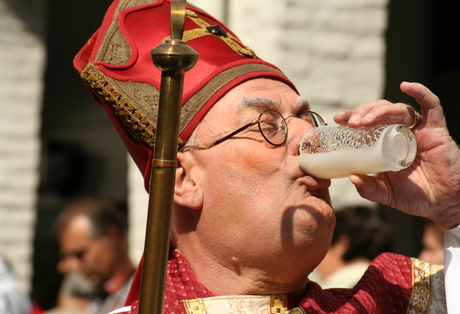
[313, 118]
[273, 127]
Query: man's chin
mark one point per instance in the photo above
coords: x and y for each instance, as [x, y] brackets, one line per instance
[321, 216]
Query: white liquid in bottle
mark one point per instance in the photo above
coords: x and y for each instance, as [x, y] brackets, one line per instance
[337, 151]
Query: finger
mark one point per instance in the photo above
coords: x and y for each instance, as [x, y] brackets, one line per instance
[367, 110]
[422, 95]
[370, 188]
[430, 104]
[383, 112]
[343, 117]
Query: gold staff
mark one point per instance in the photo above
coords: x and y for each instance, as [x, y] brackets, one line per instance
[174, 57]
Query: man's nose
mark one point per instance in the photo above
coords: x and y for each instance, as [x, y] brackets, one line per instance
[297, 126]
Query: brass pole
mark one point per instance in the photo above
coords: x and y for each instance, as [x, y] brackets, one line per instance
[173, 58]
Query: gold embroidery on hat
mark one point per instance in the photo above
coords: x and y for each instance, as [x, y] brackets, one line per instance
[200, 98]
[229, 39]
[114, 48]
[133, 117]
[137, 103]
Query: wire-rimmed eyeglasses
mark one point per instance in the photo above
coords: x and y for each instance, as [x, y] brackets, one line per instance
[272, 126]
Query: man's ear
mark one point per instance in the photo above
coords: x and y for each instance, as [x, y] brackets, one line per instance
[187, 190]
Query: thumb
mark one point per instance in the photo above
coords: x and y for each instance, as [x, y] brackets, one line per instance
[371, 188]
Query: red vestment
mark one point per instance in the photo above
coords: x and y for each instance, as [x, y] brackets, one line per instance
[392, 284]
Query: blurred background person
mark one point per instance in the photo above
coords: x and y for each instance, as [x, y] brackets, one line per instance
[12, 300]
[92, 235]
[433, 243]
[360, 235]
[75, 295]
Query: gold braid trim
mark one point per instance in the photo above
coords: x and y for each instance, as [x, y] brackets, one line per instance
[422, 282]
[137, 108]
[273, 304]
[278, 304]
[122, 106]
[195, 306]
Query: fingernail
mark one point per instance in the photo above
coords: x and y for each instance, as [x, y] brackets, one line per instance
[368, 117]
[354, 118]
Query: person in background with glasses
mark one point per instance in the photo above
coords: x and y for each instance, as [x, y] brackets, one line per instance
[248, 225]
[92, 235]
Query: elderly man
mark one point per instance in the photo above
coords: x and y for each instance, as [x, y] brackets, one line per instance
[248, 225]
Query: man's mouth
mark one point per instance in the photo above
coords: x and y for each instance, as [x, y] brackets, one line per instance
[315, 187]
[314, 183]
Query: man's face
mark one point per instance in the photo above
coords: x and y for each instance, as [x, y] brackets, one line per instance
[259, 210]
[82, 252]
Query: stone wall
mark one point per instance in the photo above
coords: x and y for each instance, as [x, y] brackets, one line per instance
[22, 57]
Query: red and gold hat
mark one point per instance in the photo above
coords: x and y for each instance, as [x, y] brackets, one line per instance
[116, 66]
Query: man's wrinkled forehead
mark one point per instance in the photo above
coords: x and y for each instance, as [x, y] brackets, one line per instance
[261, 104]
